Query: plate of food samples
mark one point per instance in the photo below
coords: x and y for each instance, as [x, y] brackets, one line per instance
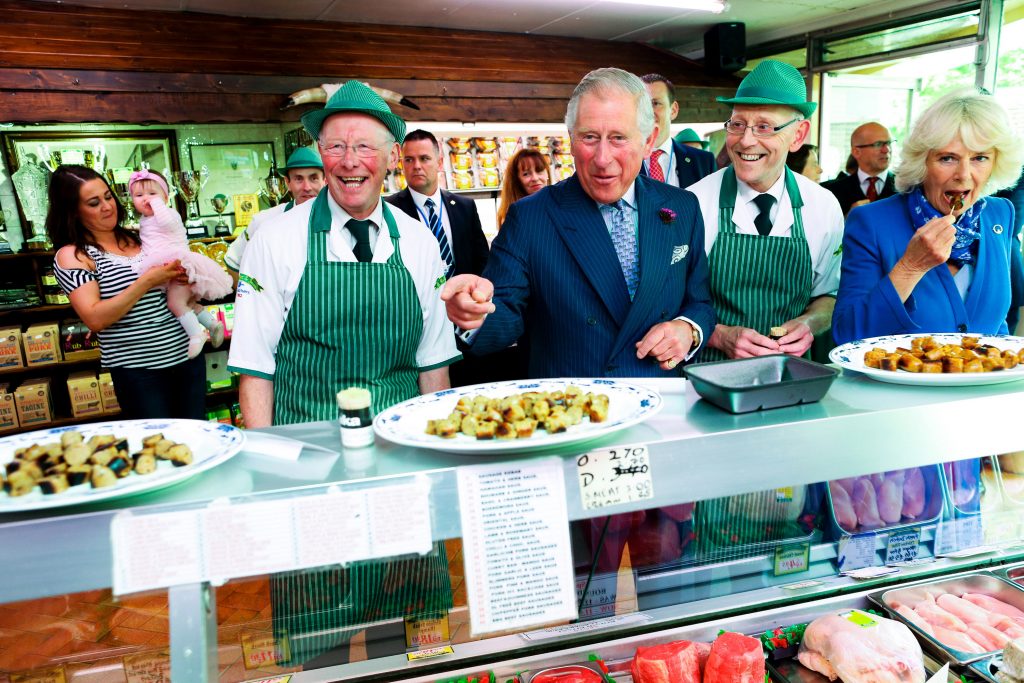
[88, 463]
[518, 415]
[942, 359]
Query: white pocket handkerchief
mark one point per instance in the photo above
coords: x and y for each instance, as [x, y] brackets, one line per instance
[679, 253]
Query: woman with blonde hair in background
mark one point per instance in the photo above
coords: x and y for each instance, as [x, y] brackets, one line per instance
[528, 172]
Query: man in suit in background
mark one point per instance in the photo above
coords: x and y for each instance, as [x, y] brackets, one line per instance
[455, 222]
[671, 161]
[871, 147]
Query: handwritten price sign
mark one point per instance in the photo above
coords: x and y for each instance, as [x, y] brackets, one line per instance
[614, 476]
[902, 546]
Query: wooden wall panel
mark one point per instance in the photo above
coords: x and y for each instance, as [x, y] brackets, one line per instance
[60, 63]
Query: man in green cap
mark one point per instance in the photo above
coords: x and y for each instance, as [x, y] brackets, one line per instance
[343, 292]
[303, 176]
[690, 138]
[773, 237]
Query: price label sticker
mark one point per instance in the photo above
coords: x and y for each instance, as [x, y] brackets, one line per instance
[856, 551]
[614, 476]
[792, 559]
[430, 653]
[862, 619]
[903, 546]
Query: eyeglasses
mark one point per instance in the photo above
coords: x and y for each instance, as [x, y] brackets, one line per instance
[340, 149]
[878, 144]
[760, 130]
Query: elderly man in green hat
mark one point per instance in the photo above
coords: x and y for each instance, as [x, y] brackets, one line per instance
[343, 292]
[773, 237]
[304, 177]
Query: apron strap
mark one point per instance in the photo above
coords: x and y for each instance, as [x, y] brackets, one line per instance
[727, 202]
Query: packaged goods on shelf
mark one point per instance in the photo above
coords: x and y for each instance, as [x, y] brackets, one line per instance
[885, 500]
[77, 341]
[34, 402]
[228, 314]
[41, 344]
[84, 392]
[217, 375]
[107, 395]
[10, 348]
[219, 413]
[8, 410]
[236, 416]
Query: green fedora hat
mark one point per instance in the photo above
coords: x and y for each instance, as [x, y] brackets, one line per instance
[303, 157]
[774, 83]
[354, 97]
[690, 135]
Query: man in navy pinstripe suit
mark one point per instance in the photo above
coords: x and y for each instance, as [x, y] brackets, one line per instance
[603, 274]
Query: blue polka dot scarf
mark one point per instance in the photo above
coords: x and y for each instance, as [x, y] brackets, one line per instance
[968, 226]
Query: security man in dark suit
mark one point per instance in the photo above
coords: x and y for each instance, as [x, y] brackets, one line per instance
[871, 146]
[455, 222]
[670, 161]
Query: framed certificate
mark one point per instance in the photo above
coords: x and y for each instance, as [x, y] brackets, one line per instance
[236, 168]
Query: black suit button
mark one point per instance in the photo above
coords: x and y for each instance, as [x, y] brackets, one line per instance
[591, 320]
[663, 314]
[961, 328]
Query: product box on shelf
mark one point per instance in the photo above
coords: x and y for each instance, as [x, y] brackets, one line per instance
[41, 346]
[8, 410]
[107, 396]
[10, 348]
[228, 317]
[34, 403]
[78, 342]
[217, 375]
[84, 391]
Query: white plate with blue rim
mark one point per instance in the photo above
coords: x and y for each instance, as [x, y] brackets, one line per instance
[406, 422]
[850, 356]
[211, 444]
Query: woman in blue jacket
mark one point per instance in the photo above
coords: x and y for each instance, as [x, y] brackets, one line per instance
[937, 257]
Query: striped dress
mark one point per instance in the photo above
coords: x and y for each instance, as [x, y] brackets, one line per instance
[148, 336]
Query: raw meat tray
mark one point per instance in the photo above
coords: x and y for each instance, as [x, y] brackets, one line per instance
[981, 582]
[934, 497]
[1013, 574]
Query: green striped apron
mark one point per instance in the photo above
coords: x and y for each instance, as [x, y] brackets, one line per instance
[351, 324]
[757, 281]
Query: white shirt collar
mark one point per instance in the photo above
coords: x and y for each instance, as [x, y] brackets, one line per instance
[863, 177]
[746, 193]
[629, 196]
[666, 146]
[340, 217]
[420, 199]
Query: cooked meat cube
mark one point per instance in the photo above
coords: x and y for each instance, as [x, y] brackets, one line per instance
[525, 428]
[447, 429]
[152, 440]
[1010, 360]
[464, 406]
[101, 477]
[57, 483]
[25, 466]
[120, 466]
[78, 474]
[59, 468]
[121, 445]
[103, 456]
[598, 412]
[993, 364]
[70, 438]
[431, 427]
[969, 342]
[974, 365]
[952, 364]
[486, 430]
[574, 415]
[932, 366]
[891, 362]
[910, 363]
[101, 441]
[541, 409]
[505, 430]
[53, 450]
[514, 412]
[19, 483]
[469, 424]
[555, 424]
[77, 454]
[180, 455]
[34, 452]
[161, 447]
[145, 463]
[493, 415]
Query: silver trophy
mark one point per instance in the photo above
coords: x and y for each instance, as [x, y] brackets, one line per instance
[123, 195]
[275, 187]
[220, 205]
[31, 181]
[189, 183]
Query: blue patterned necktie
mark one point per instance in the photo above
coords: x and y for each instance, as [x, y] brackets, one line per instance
[436, 227]
[624, 239]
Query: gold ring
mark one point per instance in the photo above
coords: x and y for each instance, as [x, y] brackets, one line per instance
[672, 364]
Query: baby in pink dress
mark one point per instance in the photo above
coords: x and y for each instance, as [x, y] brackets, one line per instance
[163, 239]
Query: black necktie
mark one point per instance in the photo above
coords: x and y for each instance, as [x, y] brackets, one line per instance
[361, 231]
[763, 222]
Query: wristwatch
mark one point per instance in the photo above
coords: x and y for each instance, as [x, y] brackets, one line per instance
[695, 336]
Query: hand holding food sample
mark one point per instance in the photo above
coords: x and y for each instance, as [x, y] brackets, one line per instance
[742, 342]
[468, 299]
[667, 342]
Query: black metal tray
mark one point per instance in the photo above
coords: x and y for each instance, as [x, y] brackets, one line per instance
[749, 384]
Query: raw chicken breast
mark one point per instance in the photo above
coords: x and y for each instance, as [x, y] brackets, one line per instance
[865, 504]
[958, 640]
[987, 602]
[735, 658]
[847, 484]
[913, 493]
[872, 650]
[967, 611]
[669, 663]
[890, 498]
[842, 506]
[915, 619]
[938, 617]
[987, 636]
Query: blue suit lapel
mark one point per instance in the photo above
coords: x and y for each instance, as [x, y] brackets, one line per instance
[584, 232]
[655, 242]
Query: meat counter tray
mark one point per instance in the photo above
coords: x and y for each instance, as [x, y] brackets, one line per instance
[981, 582]
[790, 670]
[987, 668]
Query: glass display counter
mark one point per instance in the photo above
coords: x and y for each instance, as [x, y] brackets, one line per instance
[699, 457]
